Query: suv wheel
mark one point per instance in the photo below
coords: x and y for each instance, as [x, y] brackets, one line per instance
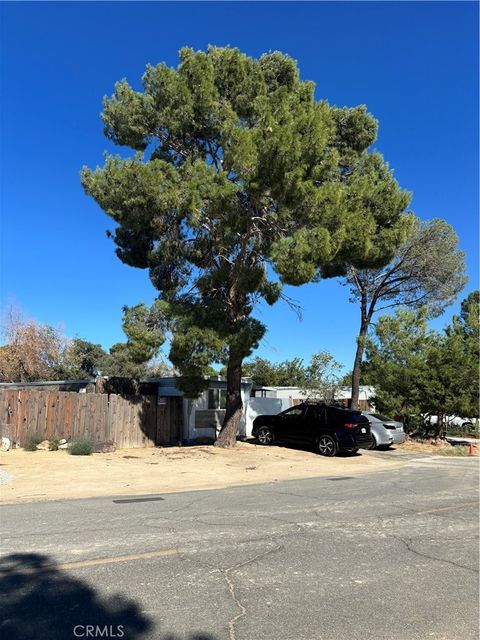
[327, 446]
[374, 443]
[265, 435]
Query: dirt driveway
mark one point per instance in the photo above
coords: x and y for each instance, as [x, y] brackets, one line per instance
[52, 475]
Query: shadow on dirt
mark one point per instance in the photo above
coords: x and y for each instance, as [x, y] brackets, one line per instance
[302, 447]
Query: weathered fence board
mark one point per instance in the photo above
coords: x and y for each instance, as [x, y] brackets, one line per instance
[130, 421]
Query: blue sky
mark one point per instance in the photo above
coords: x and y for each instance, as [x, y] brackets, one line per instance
[414, 64]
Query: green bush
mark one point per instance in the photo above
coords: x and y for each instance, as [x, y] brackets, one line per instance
[31, 442]
[82, 447]
[53, 443]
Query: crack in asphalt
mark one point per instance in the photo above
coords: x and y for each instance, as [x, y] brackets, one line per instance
[227, 523]
[229, 581]
[408, 544]
[290, 493]
[231, 587]
[243, 611]
[191, 504]
[385, 520]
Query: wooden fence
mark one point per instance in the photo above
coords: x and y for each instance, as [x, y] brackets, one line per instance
[130, 421]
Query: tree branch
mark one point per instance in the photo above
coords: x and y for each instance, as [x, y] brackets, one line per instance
[293, 304]
[401, 304]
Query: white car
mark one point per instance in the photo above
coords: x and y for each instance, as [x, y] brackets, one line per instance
[453, 421]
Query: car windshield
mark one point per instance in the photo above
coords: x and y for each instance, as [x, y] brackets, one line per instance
[379, 416]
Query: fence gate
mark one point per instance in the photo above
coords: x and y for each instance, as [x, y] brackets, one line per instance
[169, 420]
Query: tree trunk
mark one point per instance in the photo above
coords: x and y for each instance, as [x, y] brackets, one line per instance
[439, 425]
[357, 365]
[228, 433]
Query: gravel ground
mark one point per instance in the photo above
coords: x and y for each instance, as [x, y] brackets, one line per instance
[54, 475]
[5, 477]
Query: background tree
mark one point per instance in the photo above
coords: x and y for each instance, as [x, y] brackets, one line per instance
[272, 374]
[136, 357]
[121, 362]
[346, 379]
[397, 363]
[159, 368]
[427, 271]
[33, 351]
[318, 379]
[82, 360]
[322, 377]
[459, 367]
[238, 165]
[416, 371]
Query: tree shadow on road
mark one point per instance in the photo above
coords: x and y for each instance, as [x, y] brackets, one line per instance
[41, 601]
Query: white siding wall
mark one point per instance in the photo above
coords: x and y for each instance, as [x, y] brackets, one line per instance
[291, 393]
[259, 406]
[190, 407]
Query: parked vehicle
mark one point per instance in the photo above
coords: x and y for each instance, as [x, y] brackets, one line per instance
[329, 428]
[385, 431]
[452, 421]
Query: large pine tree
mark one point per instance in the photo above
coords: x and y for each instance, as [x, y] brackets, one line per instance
[237, 167]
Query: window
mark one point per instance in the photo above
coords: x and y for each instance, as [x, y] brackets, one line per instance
[217, 398]
[316, 413]
[296, 412]
[380, 417]
[262, 393]
[341, 416]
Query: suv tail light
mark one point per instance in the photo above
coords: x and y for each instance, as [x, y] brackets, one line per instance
[349, 425]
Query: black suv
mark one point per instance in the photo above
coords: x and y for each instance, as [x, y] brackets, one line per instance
[329, 428]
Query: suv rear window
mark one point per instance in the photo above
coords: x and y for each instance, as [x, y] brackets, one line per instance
[355, 417]
[342, 415]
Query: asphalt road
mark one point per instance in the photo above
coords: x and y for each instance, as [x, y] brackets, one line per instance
[380, 556]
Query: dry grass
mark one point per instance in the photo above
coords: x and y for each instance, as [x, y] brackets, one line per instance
[439, 448]
[458, 450]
